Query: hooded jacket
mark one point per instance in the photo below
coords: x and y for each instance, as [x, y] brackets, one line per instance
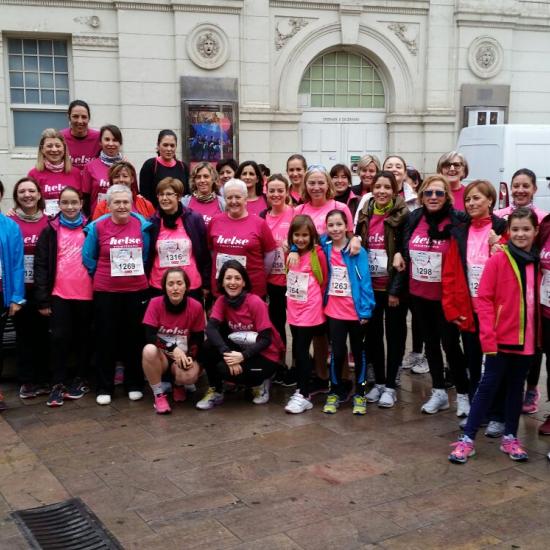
[13, 272]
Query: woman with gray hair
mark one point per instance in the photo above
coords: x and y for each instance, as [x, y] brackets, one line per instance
[237, 235]
[454, 166]
[115, 252]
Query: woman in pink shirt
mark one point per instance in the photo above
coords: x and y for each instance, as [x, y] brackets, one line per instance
[82, 141]
[250, 173]
[454, 166]
[95, 175]
[296, 168]
[53, 170]
[63, 291]
[204, 198]
[30, 327]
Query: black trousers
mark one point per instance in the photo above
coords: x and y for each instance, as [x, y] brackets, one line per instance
[301, 341]
[70, 328]
[255, 369]
[438, 332]
[474, 357]
[277, 308]
[120, 335]
[392, 321]
[338, 331]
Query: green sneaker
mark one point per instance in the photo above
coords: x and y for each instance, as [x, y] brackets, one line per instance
[332, 404]
[359, 404]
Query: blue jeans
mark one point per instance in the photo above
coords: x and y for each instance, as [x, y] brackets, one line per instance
[511, 369]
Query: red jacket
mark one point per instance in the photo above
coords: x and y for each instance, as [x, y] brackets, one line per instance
[501, 305]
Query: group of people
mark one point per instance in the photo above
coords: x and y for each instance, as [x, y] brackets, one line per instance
[178, 273]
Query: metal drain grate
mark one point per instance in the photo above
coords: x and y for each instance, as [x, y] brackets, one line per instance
[68, 525]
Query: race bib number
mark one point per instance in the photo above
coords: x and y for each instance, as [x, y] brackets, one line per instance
[426, 266]
[297, 285]
[29, 268]
[222, 258]
[339, 282]
[474, 276]
[378, 262]
[52, 207]
[279, 263]
[126, 262]
[174, 252]
[545, 288]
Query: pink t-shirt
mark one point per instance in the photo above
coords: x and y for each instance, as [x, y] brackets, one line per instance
[95, 181]
[545, 282]
[252, 315]
[72, 281]
[82, 150]
[206, 209]
[458, 195]
[378, 258]
[174, 249]
[120, 262]
[175, 328]
[279, 226]
[51, 185]
[529, 345]
[246, 240]
[319, 213]
[340, 302]
[505, 212]
[304, 303]
[477, 254]
[256, 206]
[426, 262]
[30, 231]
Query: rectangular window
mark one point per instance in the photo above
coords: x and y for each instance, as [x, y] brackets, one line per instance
[39, 87]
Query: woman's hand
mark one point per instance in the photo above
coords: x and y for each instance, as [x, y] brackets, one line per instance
[363, 321]
[233, 358]
[393, 301]
[399, 262]
[14, 308]
[354, 246]
[183, 361]
[46, 311]
[292, 259]
[459, 320]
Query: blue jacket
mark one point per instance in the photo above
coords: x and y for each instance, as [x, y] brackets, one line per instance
[90, 250]
[11, 251]
[359, 277]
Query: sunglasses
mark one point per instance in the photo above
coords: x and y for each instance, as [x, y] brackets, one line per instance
[453, 165]
[437, 192]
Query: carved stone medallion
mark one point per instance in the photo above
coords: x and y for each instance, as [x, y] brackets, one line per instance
[208, 46]
[485, 57]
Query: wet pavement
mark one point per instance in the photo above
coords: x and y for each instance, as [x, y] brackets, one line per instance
[253, 477]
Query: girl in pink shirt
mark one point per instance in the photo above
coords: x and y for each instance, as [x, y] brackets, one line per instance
[305, 285]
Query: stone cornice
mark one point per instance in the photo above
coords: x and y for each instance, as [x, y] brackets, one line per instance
[471, 19]
[403, 8]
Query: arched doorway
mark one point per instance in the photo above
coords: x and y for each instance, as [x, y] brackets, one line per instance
[344, 109]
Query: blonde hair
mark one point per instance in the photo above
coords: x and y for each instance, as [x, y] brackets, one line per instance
[40, 160]
[367, 159]
[331, 191]
[446, 186]
[212, 171]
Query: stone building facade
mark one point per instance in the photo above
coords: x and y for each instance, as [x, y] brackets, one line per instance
[327, 78]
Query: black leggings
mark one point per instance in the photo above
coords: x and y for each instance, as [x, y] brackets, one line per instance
[301, 341]
[277, 308]
[70, 326]
[474, 357]
[394, 320]
[255, 369]
[439, 332]
[338, 331]
[416, 330]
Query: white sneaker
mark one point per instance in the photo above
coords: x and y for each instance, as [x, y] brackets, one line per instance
[210, 400]
[421, 367]
[439, 401]
[374, 395]
[135, 395]
[462, 423]
[103, 399]
[462, 405]
[495, 429]
[298, 403]
[411, 359]
[388, 398]
[261, 392]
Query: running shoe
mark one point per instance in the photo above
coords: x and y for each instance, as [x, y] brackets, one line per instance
[388, 398]
[463, 450]
[298, 403]
[421, 367]
[545, 427]
[531, 401]
[511, 445]
[75, 390]
[27, 391]
[411, 359]
[260, 394]
[103, 399]
[210, 400]
[279, 375]
[179, 394]
[55, 398]
[162, 406]
[462, 405]
[332, 403]
[439, 401]
[135, 395]
[375, 393]
[359, 405]
[494, 429]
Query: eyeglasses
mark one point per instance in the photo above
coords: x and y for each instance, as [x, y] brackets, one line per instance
[448, 165]
[431, 192]
[167, 195]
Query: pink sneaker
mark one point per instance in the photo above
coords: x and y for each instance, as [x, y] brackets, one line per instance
[179, 394]
[531, 401]
[161, 404]
[463, 450]
[512, 447]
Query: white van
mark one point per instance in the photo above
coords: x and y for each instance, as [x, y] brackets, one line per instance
[495, 152]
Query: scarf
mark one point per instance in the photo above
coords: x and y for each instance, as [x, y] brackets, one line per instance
[385, 209]
[57, 168]
[171, 220]
[204, 198]
[71, 224]
[174, 308]
[109, 161]
[36, 217]
[481, 222]
[434, 219]
[236, 301]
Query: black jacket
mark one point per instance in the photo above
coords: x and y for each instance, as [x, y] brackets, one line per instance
[153, 171]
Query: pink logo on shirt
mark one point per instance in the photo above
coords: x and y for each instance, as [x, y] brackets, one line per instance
[175, 331]
[30, 240]
[376, 239]
[417, 239]
[238, 327]
[125, 241]
[235, 241]
[53, 188]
